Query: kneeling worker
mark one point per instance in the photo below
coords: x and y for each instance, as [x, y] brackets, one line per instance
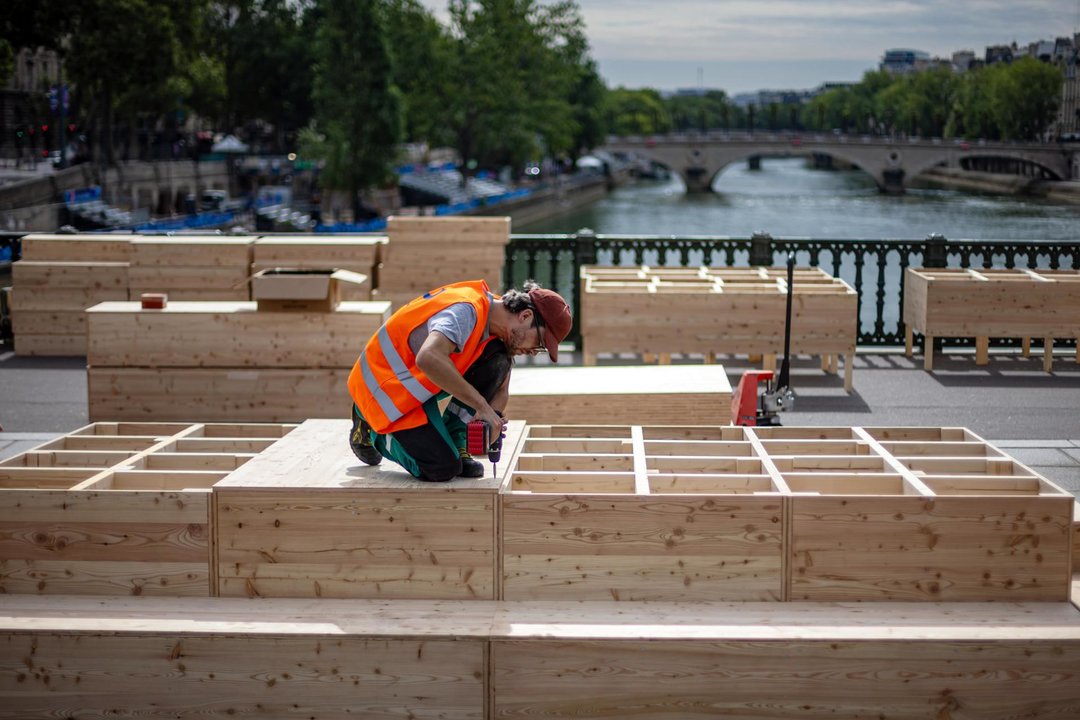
[457, 340]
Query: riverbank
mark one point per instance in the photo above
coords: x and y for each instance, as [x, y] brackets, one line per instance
[559, 198]
[1067, 192]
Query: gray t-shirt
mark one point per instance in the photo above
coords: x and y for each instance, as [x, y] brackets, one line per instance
[456, 322]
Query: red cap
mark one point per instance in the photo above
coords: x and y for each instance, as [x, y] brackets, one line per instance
[555, 315]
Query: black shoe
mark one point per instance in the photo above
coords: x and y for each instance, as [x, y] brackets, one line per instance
[471, 468]
[360, 442]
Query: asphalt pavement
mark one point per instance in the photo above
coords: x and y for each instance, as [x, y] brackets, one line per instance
[1011, 402]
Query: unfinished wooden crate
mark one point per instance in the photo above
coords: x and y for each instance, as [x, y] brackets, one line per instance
[632, 513]
[428, 252]
[119, 508]
[984, 304]
[307, 519]
[57, 279]
[820, 514]
[191, 267]
[662, 311]
[224, 360]
[358, 253]
[636, 394]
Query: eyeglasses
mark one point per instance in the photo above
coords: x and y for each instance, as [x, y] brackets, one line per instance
[541, 348]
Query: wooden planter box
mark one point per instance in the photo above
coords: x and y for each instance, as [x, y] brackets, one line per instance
[307, 519]
[823, 514]
[631, 513]
[935, 514]
[661, 311]
[988, 304]
[118, 508]
[216, 361]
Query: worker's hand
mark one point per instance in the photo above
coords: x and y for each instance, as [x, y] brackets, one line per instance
[495, 421]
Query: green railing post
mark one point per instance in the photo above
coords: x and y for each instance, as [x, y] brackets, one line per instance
[584, 254]
[935, 255]
[761, 249]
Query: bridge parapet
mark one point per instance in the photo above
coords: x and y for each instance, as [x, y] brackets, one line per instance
[892, 162]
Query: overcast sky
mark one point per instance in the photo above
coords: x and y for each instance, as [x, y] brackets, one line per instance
[745, 45]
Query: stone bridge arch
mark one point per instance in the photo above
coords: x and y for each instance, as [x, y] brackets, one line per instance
[699, 157]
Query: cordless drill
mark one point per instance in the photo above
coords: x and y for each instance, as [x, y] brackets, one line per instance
[480, 442]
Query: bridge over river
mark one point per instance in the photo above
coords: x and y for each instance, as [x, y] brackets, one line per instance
[699, 157]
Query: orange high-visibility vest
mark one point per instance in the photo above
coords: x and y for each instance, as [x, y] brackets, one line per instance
[385, 383]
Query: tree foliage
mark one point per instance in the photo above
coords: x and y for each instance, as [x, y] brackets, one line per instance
[357, 106]
[1016, 101]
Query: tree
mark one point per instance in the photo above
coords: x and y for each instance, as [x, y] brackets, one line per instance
[357, 106]
[517, 70]
[1025, 98]
[419, 47]
[637, 112]
[122, 50]
[264, 51]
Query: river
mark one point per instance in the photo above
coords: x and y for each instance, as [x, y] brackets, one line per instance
[787, 199]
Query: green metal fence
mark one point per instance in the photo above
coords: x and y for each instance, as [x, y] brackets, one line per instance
[874, 267]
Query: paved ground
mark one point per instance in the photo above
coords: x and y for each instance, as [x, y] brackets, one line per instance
[1033, 416]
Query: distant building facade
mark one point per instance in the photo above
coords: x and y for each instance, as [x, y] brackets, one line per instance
[901, 61]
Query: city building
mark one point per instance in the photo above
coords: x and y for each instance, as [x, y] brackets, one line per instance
[902, 61]
[963, 60]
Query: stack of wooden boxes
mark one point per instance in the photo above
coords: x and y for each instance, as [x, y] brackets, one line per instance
[191, 267]
[225, 360]
[425, 253]
[661, 311]
[58, 277]
[358, 253]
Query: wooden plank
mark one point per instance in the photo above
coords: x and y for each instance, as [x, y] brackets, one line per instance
[179, 251]
[626, 547]
[49, 322]
[189, 277]
[634, 395]
[63, 298]
[656, 680]
[354, 543]
[87, 247]
[223, 675]
[77, 275]
[51, 345]
[846, 548]
[229, 335]
[212, 394]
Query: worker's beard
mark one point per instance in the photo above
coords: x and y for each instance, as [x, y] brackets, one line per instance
[517, 341]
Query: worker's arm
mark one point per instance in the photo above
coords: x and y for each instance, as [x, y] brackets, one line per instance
[434, 360]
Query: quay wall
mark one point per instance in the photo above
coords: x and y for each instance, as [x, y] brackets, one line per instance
[34, 204]
[549, 202]
[1065, 192]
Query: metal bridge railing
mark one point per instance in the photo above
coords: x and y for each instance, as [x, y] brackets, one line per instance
[873, 267]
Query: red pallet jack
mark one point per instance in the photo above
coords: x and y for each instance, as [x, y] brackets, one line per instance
[746, 407]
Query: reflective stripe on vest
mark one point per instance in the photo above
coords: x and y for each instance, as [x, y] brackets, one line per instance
[384, 383]
[401, 372]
